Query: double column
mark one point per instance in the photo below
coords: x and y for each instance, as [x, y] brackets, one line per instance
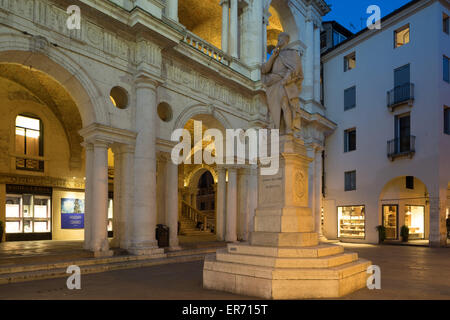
[96, 198]
[230, 27]
[123, 193]
[172, 9]
[232, 206]
[312, 87]
[315, 183]
[169, 194]
[144, 216]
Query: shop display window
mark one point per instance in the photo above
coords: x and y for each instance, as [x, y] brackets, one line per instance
[28, 214]
[351, 222]
[415, 221]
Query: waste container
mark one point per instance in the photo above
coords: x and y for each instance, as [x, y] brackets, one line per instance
[162, 235]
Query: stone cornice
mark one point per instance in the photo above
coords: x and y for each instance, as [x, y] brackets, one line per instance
[108, 135]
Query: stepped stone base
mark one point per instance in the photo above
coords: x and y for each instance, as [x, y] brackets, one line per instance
[321, 271]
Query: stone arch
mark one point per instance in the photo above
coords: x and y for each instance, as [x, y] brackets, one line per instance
[193, 177]
[287, 18]
[40, 55]
[200, 109]
[400, 206]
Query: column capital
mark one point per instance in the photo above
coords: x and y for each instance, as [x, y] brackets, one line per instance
[225, 2]
[96, 143]
[87, 145]
[144, 80]
[164, 157]
[127, 148]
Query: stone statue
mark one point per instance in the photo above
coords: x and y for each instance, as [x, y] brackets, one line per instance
[282, 75]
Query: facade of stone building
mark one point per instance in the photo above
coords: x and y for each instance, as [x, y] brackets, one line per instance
[388, 163]
[88, 113]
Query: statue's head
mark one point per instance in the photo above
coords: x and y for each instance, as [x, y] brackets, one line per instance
[283, 39]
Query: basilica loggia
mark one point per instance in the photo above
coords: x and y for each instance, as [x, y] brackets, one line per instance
[88, 111]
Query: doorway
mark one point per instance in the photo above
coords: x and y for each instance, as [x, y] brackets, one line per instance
[390, 221]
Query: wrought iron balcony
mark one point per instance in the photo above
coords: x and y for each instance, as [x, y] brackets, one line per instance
[403, 146]
[403, 94]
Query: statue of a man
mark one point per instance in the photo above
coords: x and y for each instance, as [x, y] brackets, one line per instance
[282, 75]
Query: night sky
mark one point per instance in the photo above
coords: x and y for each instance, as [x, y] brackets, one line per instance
[349, 12]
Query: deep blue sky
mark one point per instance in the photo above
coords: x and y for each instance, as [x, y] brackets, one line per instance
[348, 12]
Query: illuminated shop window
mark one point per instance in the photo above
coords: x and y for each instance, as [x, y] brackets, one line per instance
[351, 222]
[415, 221]
[28, 214]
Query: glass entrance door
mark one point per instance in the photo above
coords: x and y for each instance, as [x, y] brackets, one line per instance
[415, 221]
[390, 218]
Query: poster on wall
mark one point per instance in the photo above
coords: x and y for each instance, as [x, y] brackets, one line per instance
[72, 213]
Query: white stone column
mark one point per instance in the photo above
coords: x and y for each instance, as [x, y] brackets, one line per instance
[308, 82]
[99, 205]
[172, 204]
[252, 194]
[220, 205]
[234, 29]
[172, 9]
[225, 24]
[264, 36]
[317, 86]
[311, 179]
[161, 189]
[318, 191]
[144, 216]
[242, 200]
[89, 149]
[127, 195]
[231, 206]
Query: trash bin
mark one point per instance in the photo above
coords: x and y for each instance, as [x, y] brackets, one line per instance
[162, 235]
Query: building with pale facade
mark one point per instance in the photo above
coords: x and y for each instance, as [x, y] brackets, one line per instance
[88, 113]
[388, 162]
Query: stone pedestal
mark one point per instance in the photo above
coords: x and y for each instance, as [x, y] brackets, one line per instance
[284, 259]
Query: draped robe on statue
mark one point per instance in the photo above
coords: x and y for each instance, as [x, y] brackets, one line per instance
[287, 65]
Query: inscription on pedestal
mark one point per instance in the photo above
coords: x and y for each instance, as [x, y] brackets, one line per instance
[271, 189]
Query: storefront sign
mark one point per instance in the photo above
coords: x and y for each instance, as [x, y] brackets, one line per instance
[72, 213]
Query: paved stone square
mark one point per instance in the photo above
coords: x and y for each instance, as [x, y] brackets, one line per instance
[407, 272]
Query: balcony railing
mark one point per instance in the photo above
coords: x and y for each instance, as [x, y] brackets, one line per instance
[207, 48]
[400, 95]
[403, 146]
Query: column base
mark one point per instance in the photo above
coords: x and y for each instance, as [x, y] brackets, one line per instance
[103, 254]
[175, 248]
[148, 249]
